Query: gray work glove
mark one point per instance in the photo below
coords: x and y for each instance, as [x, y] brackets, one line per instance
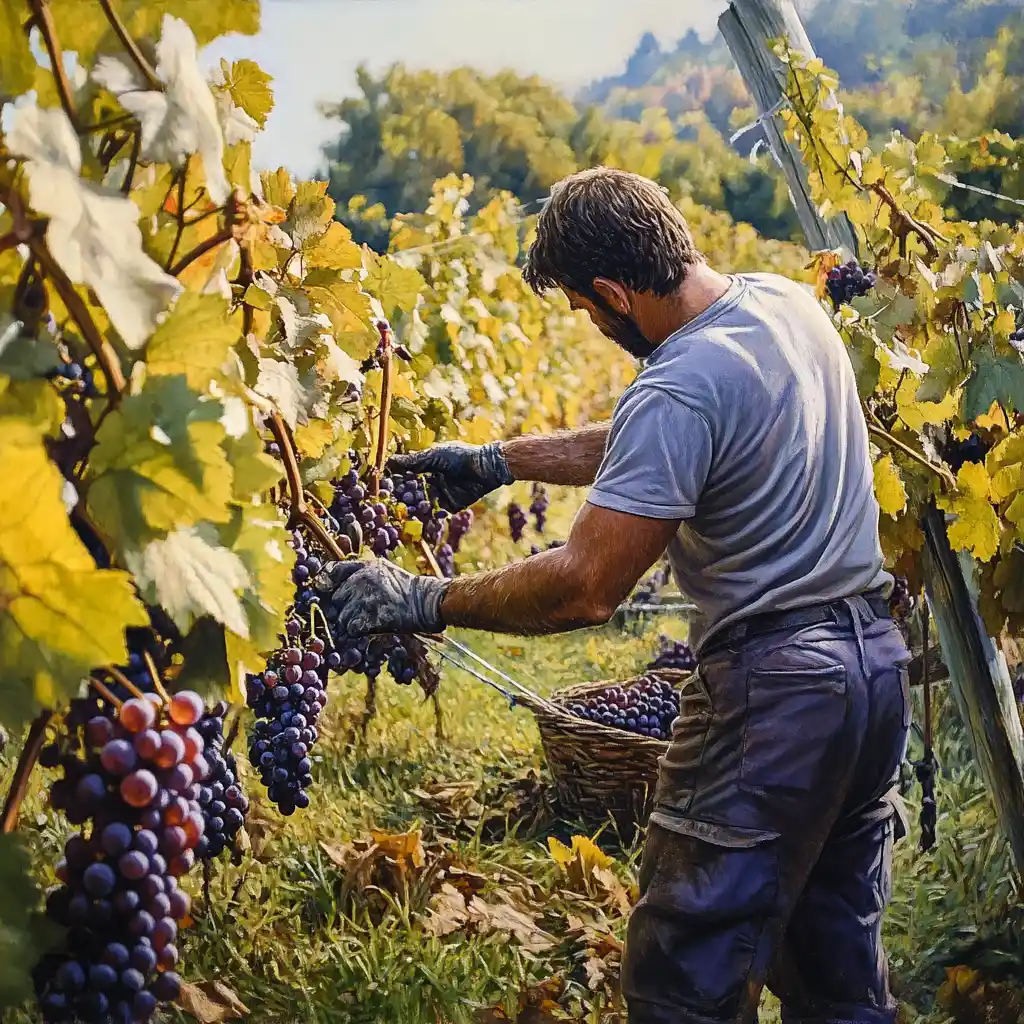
[463, 473]
[379, 597]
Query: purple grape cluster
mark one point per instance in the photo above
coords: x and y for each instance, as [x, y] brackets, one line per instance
[359, 517]
[1017, 339]
[536, 550]
[902, 601]
[131, 783]
[849, 281]
[673, 654]
[221, 798]
[287, 699]
[647, 707]
[307, 565]
[458, 526]
[539, 507]
[446, 560]
[957, 453]
[77, 377]
[413, 491]
[516, 522]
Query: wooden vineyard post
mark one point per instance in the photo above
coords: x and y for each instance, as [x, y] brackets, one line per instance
[749, 26]
[977, 668]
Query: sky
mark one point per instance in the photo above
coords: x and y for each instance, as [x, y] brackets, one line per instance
[312, 48]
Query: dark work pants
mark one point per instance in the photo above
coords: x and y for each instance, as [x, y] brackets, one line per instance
[769, 852]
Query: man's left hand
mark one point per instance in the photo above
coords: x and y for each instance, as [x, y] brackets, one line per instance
[380, 597]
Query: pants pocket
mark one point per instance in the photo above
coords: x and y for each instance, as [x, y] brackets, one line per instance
[793, 718]
[708, 893]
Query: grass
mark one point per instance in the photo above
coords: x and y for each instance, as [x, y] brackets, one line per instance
[298, 945]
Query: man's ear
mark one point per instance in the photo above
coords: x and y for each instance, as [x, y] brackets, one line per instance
[613, 293]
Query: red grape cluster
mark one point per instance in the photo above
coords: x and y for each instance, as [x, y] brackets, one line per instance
[307, 565]
[413, 491]
[287, 699]
[539, 507]
[673, 654]
[849, 281]
[446, 560]
[360, 518]
[221, 797]
[516, 522]
[132, 783]
[647, 707]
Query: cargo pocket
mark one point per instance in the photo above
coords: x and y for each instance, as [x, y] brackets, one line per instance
[794, 717]
[708, 894]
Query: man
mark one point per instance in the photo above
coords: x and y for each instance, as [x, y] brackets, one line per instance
[742, 442]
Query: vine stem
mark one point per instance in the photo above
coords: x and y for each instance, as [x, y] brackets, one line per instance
[224, 235]
[105, 693]
[26, 762]
[43, 17]
[125, 682]
[300, 512]
[155, 675]
[385, 410]
[130, 45]
[76, 306]
[877, 430]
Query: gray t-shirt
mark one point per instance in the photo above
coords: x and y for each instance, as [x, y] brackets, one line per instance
[746, 424]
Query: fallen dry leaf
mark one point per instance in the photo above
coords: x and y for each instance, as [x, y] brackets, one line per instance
[489, 917]
[448, 912]
[211, 1002]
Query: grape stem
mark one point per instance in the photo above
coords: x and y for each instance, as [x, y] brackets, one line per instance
[104, 692]
[224, 235]
[300, 513]
[876, 429]
[130, 45]
[385, 410]
[370, 708]
[26, 762]
[315, 609]
[428, 554]
[125, 681]
[157, 684]
[43, 18]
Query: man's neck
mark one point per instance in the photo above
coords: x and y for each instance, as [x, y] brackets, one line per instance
[702, 288]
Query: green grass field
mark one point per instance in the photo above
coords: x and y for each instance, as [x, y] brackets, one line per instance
[305, 929]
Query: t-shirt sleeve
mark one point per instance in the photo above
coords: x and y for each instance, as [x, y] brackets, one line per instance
[657, 458]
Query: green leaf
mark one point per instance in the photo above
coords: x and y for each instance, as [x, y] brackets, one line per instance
[995, 379]
[20, 936]
[158, 464]
[60, 616]
[25, 359]
[17, 65]
[195, 340]
[253, 472]
[249, 86]
[393, 286]
[191, 575]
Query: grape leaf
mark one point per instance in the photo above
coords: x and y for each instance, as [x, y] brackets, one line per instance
[17, 65]
[195, 340]
[60, 616]
[91, 33]
[976, 528]
[249, 88]
[889, 489]
[344, 302]
[21, 939]
[158, 464]
[279, 381]
[995, 379]
[94, 236]
[253, 472]
[394, 287]
[278, 189]
[333, 250]
[191, 575]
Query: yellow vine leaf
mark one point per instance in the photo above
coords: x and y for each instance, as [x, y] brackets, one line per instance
[195, 340]
[60, 616]
[312, 438]
[249, 87]
[158, 465]
[334, 249]
[977, 526]
[889, 489]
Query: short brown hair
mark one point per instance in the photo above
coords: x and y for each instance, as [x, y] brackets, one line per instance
[608, 223]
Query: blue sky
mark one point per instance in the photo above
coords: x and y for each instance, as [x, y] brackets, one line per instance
[312, 48]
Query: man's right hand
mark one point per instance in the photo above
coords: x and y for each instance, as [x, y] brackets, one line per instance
[462, 473]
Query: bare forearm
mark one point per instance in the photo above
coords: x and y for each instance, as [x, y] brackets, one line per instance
[570, 457]
[530, 598]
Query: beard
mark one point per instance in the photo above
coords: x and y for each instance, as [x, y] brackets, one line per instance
[623, 330]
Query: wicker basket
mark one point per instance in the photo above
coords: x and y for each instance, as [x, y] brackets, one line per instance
[599, 770]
